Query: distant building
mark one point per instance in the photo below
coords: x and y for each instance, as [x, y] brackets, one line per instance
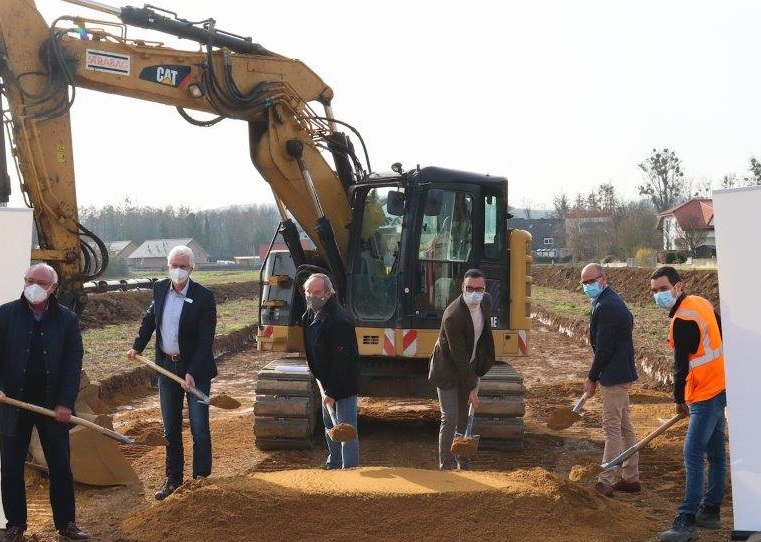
[689, 227]
[123, 249]
[547, 236]
[152, 253]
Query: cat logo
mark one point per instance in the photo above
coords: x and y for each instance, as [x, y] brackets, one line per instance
[171, 75]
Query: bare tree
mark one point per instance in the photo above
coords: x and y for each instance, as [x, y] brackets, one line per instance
[690, 234]
[561, 205]
[665, 184]
[755, 169]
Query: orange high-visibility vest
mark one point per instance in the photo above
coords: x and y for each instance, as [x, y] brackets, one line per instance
[705, 378]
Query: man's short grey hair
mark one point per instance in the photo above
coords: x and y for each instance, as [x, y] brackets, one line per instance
[182, 250]
[325, 280]
[49, 268]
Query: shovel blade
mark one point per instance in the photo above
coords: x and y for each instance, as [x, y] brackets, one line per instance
[562, 419]
[463, 445]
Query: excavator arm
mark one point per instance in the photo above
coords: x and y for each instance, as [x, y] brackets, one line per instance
[227, 76]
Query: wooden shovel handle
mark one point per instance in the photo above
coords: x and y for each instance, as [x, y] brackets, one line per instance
[331, 411]
[580, 403]
[195, 391]
[74, 419]
[615, 462]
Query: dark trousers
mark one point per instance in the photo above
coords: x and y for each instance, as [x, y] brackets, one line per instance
[171, 398]
[13, 451]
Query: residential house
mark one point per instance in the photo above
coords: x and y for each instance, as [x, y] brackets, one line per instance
[152, 253]
[547, 236]
[123, 249]
[688, 227]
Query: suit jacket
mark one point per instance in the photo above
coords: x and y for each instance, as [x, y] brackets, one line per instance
[610, 334]
[332, 355]
[450, 365]
[62, 350]
[198, 323]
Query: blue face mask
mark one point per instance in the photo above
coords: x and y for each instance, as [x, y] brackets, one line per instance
[592, 290]
[665, 299]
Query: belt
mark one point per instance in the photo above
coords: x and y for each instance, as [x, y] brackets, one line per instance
[172, 357]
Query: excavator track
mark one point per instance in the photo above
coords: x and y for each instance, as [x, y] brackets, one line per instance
[286, 406]
[499, 418]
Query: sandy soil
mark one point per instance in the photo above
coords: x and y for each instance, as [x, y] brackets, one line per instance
[397, 494]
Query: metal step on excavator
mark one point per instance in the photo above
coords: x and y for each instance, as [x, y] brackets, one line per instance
[95, 459]
[287, 407]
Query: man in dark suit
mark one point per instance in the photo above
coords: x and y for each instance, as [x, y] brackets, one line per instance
[610, 334]
[40, 363]
[184, 316]
[331, 350]
[463, 352]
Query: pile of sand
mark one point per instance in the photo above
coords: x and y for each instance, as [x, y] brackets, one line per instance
[379, 503]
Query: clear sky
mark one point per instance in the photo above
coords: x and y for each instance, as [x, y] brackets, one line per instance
[558, 96]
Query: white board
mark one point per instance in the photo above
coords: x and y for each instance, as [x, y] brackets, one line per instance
[737, 221]
[16, 228]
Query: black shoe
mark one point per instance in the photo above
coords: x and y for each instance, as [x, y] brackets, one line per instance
[15, 533]
[72, 532]
[683, 530]
[708, 517]
[169, 487]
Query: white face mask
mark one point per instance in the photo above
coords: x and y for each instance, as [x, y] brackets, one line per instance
[178, 275]
[35, 294]
[473, 298]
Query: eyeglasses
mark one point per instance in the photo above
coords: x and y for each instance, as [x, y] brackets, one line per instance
[42, 283]
[590, 281]
[471, 289]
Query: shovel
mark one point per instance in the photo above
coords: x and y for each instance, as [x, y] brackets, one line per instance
[466, 445]
[623, 456]
[219, 401]
[340, 432]
[563, 418]
[74, 419]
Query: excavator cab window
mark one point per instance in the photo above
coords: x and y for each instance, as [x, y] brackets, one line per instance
[446, 240]
[373, 286]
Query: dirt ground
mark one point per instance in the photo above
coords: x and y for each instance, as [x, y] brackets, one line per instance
[397, 494]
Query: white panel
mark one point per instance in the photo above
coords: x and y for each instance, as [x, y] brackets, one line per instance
[737, 214]
[16, 228]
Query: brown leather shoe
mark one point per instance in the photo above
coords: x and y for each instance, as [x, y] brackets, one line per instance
[169, 487]
[72, 532]
[15, 533]
[628, 487]
[606, 490]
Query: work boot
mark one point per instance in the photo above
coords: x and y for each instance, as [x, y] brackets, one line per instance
[606, 490]
[15, 533]
[708, 516]
[169, 487]
[628, 487]
[683, 530]
[72, 532]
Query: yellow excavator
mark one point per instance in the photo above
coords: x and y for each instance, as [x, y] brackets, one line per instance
[396, 243]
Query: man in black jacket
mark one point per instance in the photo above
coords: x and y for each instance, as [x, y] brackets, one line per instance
[331, 350]
[184, 316]
[40, 363]
[610, 334]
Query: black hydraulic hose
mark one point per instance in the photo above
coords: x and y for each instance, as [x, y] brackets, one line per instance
[5, 179]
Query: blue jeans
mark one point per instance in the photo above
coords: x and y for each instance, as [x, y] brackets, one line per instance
[705, 438]
[171, 397]
[342, 455]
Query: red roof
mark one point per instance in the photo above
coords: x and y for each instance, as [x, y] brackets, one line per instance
[695, 213]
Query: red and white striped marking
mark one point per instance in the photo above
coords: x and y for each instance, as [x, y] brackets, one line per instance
[523, 342]
[409, 342]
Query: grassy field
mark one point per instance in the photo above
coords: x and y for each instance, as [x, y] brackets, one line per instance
[210, 277]
[106, 347]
